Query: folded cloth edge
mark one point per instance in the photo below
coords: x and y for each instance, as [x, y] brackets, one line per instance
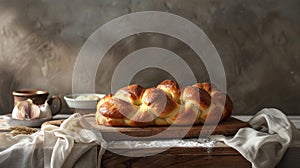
[265, 143]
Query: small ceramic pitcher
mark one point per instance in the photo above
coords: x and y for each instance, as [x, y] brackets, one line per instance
[38, 97]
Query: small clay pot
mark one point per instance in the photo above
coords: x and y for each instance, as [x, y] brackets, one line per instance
[38, 97]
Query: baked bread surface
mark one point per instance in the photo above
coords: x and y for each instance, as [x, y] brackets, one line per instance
[166, 104]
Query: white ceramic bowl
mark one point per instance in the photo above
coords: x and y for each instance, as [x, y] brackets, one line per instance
[84, 104]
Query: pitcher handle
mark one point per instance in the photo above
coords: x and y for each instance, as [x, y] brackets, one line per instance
[59, 104]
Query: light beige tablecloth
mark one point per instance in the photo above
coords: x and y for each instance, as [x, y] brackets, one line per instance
[266, 142]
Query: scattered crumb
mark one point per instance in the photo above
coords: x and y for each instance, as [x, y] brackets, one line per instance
[23, 130]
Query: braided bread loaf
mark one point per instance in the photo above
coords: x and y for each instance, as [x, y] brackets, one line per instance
[164, 105]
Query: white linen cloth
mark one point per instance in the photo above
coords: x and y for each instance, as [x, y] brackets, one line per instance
[266, 142]
[51, 146]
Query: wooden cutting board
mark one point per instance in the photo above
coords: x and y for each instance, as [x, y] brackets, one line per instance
[227, 128]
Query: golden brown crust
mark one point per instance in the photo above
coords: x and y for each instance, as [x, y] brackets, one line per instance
[224, 103]
[197, 96]
[186, 116]
[104, 99]
[205, 85]
[164, 105]
[116, 108]
[161, 105]
[171, 88]
[143, 117]
[100, 119]
[132, 93]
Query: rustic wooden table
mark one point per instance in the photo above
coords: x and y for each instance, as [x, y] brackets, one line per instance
[219, 156]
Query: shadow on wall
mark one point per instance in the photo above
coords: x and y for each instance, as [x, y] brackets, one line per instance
[32, 56]
[148, 77]
[6, 88]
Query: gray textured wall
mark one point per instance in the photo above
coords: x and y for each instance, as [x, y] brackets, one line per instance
[257, 40]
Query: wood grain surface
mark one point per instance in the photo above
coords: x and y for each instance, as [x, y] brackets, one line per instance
[228, 128]
[224, 157]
